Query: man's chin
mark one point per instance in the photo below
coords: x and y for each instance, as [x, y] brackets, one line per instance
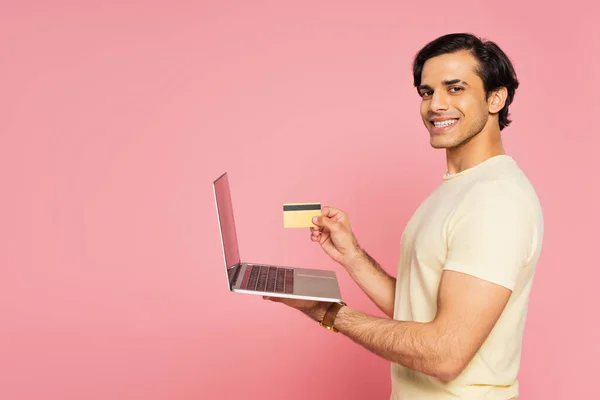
[439, 144]
[446, 142]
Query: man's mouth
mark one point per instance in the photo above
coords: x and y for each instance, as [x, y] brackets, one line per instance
[444, 123]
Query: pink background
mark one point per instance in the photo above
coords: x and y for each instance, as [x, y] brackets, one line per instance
[115, 117]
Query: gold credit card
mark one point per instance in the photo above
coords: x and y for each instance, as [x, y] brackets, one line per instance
[300, 215]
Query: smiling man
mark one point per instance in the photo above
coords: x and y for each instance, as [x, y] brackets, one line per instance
[458, 305]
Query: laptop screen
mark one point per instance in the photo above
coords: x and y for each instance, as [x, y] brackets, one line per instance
[226, 221]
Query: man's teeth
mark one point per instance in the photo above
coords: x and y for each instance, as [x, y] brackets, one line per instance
[444, 123]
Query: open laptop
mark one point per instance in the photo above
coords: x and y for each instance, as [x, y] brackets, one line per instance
[263, 279]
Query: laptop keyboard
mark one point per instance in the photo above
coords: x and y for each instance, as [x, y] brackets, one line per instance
[264, 278]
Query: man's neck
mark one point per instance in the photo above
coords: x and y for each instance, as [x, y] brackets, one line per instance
[473, 152]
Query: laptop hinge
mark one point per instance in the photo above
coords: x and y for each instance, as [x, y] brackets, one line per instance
[234, 274]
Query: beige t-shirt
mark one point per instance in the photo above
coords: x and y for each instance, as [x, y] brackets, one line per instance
[485, 221]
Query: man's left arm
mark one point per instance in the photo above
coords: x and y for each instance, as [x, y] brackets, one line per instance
[468, 309]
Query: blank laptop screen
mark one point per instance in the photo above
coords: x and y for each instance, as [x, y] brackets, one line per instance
[225, 213]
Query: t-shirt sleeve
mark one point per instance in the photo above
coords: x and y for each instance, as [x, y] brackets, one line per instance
[491, 234]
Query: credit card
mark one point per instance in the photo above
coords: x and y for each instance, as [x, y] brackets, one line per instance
[300, 215]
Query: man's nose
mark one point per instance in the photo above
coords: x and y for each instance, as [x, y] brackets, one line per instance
[439, 102]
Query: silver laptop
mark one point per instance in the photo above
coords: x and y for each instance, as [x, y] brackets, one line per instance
[263, 279]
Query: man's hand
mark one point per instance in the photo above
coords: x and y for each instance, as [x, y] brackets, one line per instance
[314, 309]
[334, 234]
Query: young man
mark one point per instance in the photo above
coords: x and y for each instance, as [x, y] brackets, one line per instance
[468, 255]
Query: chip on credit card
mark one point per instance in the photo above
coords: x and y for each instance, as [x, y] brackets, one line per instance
[300, 215]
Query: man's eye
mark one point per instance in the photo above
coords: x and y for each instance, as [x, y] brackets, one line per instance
[456, 89]
[426, 94]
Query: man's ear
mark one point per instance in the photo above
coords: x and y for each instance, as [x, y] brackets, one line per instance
[496, 100]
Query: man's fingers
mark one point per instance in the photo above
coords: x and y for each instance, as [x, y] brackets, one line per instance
[325, 222]
[331, 212]
[328, 211]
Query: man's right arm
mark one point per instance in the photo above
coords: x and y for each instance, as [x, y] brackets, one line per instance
[377, 284]
[334, 233]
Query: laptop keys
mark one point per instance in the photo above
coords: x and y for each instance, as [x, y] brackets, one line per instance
[280, 281]
[271, 279]
[263, 278]
[289, 281]
[252, 278]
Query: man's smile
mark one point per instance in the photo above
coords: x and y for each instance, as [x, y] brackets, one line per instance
[442, 125]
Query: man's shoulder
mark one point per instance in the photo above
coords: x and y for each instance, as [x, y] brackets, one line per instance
[505, 179]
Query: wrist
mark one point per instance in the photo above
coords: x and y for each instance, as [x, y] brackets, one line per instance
[329, 319]
[355, 260]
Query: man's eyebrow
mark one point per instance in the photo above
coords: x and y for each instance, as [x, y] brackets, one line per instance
[454, 82]
[445, 83]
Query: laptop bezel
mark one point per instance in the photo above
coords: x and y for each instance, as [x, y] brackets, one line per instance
[237, 265]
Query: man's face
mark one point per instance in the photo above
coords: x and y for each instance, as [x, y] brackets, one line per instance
[453, 106]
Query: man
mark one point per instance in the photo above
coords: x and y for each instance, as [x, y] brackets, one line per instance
[468, 254]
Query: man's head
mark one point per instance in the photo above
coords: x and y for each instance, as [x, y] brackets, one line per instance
[466, 86]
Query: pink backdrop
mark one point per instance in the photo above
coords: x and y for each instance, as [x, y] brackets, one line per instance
[115, 117]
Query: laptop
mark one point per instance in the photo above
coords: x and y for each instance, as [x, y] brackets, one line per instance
[264, 279]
